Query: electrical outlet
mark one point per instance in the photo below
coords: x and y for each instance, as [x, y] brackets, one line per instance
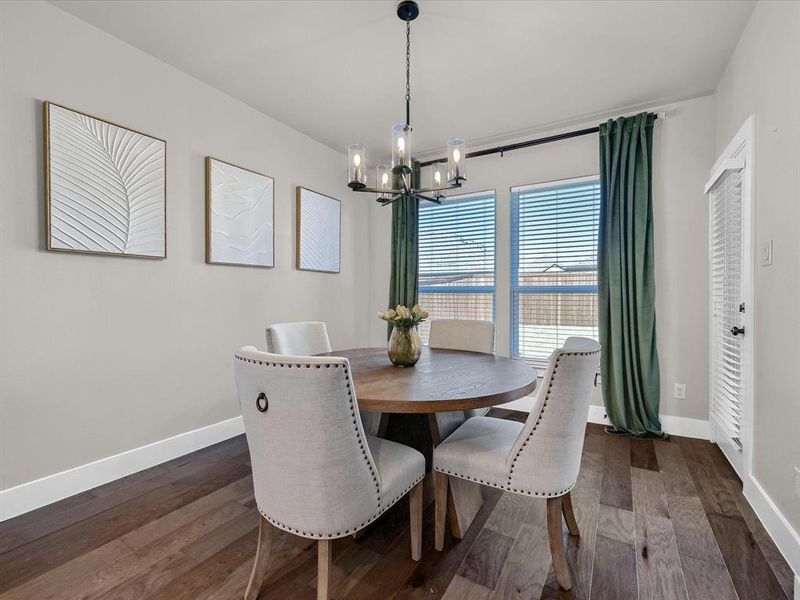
[797, 481]
[679, 392]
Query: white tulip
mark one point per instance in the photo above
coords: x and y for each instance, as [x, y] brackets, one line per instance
[391, 314]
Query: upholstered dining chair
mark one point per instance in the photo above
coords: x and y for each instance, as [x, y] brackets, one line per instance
[303, 338]
[315, 472]
[541, 457]
[307, 338]
[460, 334]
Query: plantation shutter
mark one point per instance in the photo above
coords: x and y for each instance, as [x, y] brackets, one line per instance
[457, 258]
[726, 304]
[554, 231]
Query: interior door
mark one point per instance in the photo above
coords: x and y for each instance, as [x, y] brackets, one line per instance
[728, 264]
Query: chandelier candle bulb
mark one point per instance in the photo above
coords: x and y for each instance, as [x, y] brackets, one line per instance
[401, 148]
[383, 179]
[438, 176]
[456, 153]
[357, 161]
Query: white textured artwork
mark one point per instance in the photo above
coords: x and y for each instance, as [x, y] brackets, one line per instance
[319, 231]
[105, 187]
[239, 216]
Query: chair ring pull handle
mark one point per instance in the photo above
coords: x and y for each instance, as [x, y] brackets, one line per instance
[262, 403]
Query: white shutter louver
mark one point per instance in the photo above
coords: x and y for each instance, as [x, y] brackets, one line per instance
[726, 304]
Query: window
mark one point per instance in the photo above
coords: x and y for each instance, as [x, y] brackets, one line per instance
[457, 258]
[553, 265]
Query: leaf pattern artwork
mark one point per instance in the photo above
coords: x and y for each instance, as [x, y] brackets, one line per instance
[320, 223]
[240, 213]
[106, 187]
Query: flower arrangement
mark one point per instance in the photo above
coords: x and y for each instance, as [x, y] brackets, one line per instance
[403, 317]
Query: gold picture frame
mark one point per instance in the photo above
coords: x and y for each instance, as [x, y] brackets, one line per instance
[64, 214]
[312, 241]
[212, 256]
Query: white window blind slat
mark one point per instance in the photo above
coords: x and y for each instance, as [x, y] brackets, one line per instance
[553, 265]
[457, 258]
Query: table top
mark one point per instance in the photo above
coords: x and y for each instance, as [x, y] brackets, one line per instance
[442, 380]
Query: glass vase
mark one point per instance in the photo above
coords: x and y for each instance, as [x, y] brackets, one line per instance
[404, 346]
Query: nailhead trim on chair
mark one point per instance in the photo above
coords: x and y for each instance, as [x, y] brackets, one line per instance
[501, 486]
[381, 509]
[338, 534]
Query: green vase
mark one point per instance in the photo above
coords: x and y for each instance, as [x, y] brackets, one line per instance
[404, 346]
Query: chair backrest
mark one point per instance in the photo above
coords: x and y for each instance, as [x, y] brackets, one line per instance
[462, 334]
[546, 456]
[303, 338]
[313, 473]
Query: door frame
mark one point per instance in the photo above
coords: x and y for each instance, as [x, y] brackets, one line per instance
[740, 147]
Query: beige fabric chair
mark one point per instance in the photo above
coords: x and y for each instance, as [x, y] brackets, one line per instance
[460, 334]
[308, 338]
[303, 338]
[315, 473]
[538, 458]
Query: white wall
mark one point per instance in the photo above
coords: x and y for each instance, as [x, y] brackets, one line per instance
[98, 354]
[683, 151]
[763, 78]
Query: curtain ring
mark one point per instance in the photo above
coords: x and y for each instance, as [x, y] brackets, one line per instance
[262, 397]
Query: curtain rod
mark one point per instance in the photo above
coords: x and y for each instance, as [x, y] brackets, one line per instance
[519, 145]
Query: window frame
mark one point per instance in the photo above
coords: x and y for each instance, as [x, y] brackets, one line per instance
[483, 289]
[514, 246]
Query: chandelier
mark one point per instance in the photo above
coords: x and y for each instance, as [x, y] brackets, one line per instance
[395, 181]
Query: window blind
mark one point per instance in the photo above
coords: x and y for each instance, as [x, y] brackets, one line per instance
[725, 247]
[457, 258]
[553, 265]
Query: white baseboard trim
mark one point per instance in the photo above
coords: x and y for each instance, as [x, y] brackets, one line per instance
[695, 428]
[780, 530]
[40, 492]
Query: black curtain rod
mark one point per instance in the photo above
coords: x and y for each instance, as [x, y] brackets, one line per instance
[517, 146]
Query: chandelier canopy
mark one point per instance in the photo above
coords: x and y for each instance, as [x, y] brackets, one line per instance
[395, 181]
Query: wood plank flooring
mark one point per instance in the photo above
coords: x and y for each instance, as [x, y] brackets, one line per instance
[658, 519]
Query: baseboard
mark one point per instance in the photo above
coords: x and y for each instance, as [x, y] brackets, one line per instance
[780, 530]
[40, 492]
[694, 428]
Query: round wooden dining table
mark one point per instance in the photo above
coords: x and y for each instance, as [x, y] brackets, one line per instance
[442, 381]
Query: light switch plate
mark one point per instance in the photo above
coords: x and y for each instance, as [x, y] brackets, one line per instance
[766, 254]
[679, 391]
[797, 481]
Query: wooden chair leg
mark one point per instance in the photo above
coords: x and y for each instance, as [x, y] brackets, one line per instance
[415, 511]
[440, 483]
[569, 515]
[554, 533]
[261, 561]
[324, 563]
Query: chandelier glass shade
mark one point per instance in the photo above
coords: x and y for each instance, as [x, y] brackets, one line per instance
[395, 182]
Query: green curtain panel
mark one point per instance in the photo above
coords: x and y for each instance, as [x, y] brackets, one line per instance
[627, 293]
[404, 283]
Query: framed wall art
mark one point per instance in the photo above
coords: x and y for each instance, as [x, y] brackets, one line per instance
[319, 228]
[240, 216]
[105, 186]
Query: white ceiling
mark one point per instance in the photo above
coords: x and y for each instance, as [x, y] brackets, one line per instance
[480, 70]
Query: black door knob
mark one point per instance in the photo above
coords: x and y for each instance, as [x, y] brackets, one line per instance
[737, 330]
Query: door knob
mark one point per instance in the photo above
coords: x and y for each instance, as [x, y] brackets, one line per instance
[737, 330]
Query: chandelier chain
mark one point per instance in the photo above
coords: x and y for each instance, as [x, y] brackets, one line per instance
[408, 74]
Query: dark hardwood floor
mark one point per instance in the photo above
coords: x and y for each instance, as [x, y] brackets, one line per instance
[659, 520]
